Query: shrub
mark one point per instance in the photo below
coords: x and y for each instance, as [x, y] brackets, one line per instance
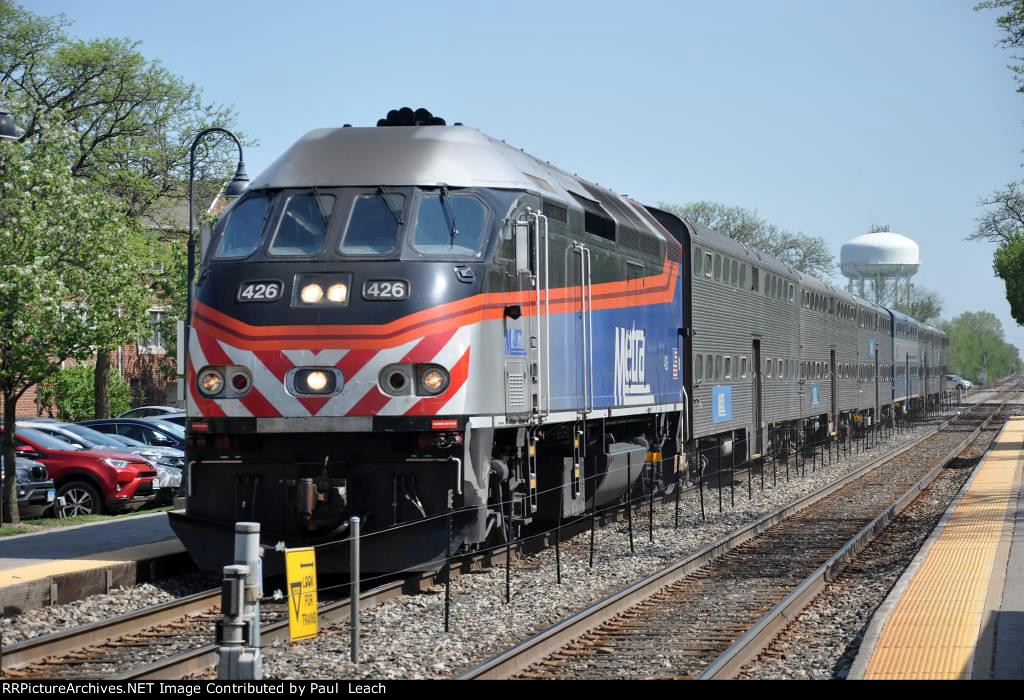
[69, 395]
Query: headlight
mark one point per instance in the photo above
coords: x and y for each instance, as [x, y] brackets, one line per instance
[311, 294]
[116, 463]
[315, 381]
[210, 382]
[433, 379]
[337, 293]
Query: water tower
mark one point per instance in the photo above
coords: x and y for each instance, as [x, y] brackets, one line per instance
[879, 261]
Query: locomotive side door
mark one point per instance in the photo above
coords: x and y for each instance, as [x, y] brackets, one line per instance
[525, 366]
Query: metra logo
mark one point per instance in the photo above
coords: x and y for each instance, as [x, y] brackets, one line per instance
[630, 376]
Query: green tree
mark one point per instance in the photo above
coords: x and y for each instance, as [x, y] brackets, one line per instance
[805, 253]
[1012, 24]
[1003, 223]
[68, 284]
[69, 394]
[133, 119]
[976, 344]
[1009, 265]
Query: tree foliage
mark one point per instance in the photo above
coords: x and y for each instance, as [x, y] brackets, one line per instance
[68, 282]
[1003, 222]
[133, 123]
[68, 395]
[805, 253]
[1009, 265]
[1012, 24]
[976, 345]
[133, 119]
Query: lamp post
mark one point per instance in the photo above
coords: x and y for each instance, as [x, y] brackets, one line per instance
[234, 190]
[7, 133]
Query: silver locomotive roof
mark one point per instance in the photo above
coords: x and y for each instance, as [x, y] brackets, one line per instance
[430, 156]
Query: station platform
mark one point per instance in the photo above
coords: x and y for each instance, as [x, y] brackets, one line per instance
[958, 610]
[64, 564]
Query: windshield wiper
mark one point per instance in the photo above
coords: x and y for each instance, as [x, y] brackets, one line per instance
[449, 214]
[320, 206]
[384, 193]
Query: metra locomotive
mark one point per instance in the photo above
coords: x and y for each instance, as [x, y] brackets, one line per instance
[402, 320]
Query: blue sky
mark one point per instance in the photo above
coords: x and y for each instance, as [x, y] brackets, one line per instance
[824, 116]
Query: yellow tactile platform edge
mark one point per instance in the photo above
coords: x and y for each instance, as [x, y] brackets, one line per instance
[100, 560]
[933, 629]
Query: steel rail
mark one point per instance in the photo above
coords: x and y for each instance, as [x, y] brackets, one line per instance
[37, 649]
[764, 631]
[542, 644]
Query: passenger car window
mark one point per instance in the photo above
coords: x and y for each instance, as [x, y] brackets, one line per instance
[303, 225]
[372, 228]
[243, 228]
[433, 233]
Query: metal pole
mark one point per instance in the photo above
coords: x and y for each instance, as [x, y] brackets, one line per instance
[508, 552]
[247, 553]
[354, 592]
[732, 470]
[650, 504]
[629, 500]
[447, 567]
[679, 487]
[191, 247]
[700, 478]
[558, 539]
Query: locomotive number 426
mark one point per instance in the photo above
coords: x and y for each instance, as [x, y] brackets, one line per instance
[385, 289]
[259, 291]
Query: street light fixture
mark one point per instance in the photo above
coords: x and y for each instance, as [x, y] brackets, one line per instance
[234, 189]
[8, 132]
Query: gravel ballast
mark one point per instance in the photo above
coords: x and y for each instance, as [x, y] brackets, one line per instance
[405, 638]
[823, 641]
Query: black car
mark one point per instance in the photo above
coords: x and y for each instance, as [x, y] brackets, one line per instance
[150, 431]
[36, 492]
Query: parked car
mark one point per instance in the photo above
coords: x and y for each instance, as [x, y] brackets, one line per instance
[168, 461]
[89, 481]
[151, 431]
[36, 492]
[149, 411]
[959, 382]
[178, 418]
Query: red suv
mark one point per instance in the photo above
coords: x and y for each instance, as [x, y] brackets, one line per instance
[90, 481]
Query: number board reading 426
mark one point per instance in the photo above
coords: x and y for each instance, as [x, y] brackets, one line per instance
[263, 290]
[385, 290]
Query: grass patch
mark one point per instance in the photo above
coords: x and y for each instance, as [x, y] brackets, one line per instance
[38, 524]
[13, 530]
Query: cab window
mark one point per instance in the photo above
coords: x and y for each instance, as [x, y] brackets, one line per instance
[373, 226]
[452, 227]
[243, 227]
[303, 225]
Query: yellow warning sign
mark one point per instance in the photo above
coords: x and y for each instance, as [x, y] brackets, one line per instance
[300, 567]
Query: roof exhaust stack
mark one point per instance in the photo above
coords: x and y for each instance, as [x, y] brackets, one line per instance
[407, 117]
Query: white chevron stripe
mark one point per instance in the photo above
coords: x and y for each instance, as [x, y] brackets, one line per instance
[457, 404]
[447, 356]
[365, 379]
[305, 358]
[198, 361]
[267, 383]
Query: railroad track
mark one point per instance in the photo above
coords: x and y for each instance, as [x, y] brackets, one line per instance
[705, 616]
[174, 639]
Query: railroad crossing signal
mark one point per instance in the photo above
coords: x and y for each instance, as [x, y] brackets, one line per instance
[300, 566]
